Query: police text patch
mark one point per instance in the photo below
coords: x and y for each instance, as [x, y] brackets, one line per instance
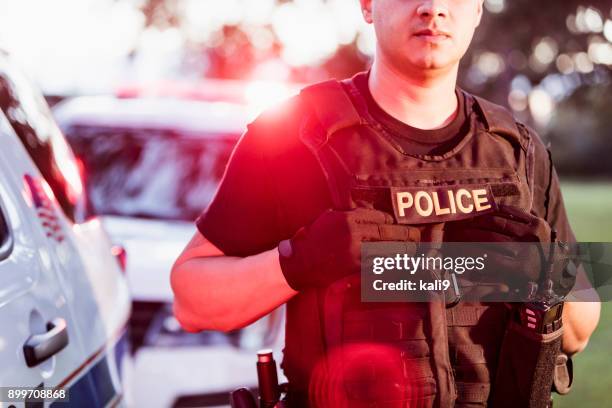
[421, 205]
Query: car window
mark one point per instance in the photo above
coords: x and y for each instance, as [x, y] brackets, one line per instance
[153, 173]
[31, 119]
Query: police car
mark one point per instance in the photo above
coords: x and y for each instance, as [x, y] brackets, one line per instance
[64, 301]
[150, 166]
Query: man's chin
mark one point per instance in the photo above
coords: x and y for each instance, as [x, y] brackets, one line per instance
[425, 62]
[431, 64]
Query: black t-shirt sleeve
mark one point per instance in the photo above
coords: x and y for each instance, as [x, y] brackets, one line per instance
[548, 199]
[241, 220]
[556, 213]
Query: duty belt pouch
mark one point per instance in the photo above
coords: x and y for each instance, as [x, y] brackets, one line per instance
[526, 367]
[564, 374]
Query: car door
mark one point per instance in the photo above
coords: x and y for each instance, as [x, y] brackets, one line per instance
[39, 340]
[87, 272]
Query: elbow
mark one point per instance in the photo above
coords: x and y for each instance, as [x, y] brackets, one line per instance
[177, 283]
[177, 278]
[193, 306]
[576, 338]
[580, 321]
[574, 346]
[184, 287]
[187, 324]
[226, 327]
[581, 345]
[184, 309]
[192, 322]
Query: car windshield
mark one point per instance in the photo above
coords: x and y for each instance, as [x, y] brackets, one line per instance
[161, 174]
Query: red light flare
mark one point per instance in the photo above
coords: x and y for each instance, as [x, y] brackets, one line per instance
[358, 375]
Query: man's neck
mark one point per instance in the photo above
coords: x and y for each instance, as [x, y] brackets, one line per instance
[424, 100]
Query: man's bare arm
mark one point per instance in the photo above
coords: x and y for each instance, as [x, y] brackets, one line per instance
[580, 318]
[579, 321]
[217, 292]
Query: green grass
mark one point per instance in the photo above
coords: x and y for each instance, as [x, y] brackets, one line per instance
[589, 207]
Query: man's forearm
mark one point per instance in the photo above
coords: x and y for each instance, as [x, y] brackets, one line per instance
[226, 293]
[580, 318]
[579, 321]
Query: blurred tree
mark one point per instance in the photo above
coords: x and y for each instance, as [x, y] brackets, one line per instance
[515, 37]
[549, 44]
[346, 61]
[556, 47]
[580, 132]
[161, 13]
[534, 40]
[232, 55]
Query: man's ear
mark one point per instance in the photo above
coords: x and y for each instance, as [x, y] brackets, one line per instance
[480, 10]
[366, 10]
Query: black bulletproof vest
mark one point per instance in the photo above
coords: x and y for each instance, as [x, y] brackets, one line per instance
[402, 354]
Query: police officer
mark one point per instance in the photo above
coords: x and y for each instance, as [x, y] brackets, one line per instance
[368, 159]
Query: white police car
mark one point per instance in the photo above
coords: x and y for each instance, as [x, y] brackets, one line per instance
[64, 302]
[150, 166]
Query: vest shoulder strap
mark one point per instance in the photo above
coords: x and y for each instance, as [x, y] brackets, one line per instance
[332, 108]
[499, 119]
[539, 171]
[328, 109]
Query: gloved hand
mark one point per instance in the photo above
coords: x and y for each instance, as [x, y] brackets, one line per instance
[506, 235]
[507, 224]
[330, 248]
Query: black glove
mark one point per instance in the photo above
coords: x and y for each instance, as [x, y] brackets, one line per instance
[330, 248]
[505, 236]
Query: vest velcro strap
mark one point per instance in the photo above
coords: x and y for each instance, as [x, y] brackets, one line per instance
[416, 368]
[505, 190]
[379, 198]
[498, 119]
[384, 330]
[472, 392]
[332, 106]
[386, 393]
[469, 354]
[385, 368]
[464, 316]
